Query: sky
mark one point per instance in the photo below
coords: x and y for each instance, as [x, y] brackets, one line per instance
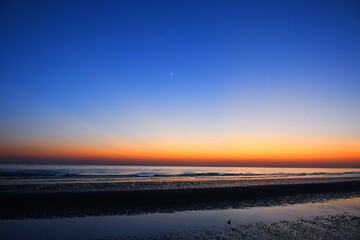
[253, 83]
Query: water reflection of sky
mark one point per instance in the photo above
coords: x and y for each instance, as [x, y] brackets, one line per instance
[148, 224]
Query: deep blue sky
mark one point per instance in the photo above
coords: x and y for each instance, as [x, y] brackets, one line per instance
[142, 71]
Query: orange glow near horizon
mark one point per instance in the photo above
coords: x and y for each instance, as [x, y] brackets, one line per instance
[171, 152]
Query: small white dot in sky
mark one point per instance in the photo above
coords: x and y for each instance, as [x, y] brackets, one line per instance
[171, 74]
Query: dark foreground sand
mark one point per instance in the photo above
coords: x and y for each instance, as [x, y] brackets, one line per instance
[20, 205]
[328, 227]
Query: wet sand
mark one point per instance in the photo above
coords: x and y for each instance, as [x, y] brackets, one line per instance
[19, 205]
[321, 210]
[335, 227]
[204, 224]
[116, 185]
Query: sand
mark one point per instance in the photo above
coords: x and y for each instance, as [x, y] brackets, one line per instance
[161, 184]
[336, 227]
[66, 204]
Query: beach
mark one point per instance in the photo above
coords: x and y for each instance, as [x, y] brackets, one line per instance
[173, 119]
[85, 203]
[179, 203]
[329, 227]
[314, 216]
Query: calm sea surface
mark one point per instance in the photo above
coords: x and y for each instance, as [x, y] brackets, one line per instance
[13, 174]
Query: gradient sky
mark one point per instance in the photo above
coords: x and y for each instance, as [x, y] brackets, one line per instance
[181, 82]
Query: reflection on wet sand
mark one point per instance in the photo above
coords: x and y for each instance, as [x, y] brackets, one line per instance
[162, 223]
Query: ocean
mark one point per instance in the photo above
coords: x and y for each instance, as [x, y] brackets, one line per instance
[32, 173]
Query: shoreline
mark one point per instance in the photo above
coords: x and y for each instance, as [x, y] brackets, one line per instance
[62, 204]
[117, 185]
[340, 226]
[214, 222]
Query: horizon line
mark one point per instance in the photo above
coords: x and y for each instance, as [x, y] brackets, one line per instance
[298, 163]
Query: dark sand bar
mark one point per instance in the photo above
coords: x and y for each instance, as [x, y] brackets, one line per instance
[20, 205]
